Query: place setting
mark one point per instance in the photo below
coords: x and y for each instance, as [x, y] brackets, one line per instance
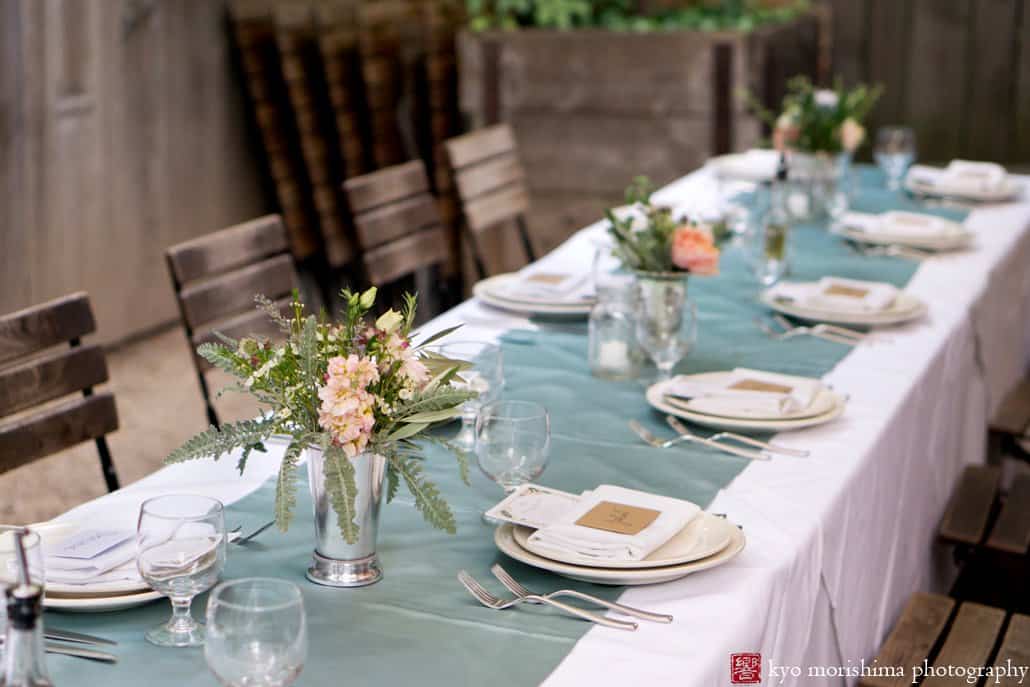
[841, 301]
[538, 291]
[903, 234]
[963, 181]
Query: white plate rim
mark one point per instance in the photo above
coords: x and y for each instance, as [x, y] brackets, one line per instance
[505, 540]
[893, 315]
[655, 396]
[573, 559]
[1011, 190]
[960, 239]
[100, 604]
[481, 291]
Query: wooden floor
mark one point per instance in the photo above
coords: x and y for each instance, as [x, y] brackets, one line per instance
[159, 406]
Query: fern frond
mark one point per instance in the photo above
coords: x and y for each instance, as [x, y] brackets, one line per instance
[339, 484]
[428, 502]
[272, 310]
[224, 358]
[393, 481]
[214, 441]
[286, 486]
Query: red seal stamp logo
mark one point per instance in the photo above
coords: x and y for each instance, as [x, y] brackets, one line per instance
[745, 669]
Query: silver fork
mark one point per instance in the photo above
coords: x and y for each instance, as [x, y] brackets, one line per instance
[891, 250]
[490, 601]
[234, 536]
[829, 332]
[682, 430]
[651, 439]
[515, 587]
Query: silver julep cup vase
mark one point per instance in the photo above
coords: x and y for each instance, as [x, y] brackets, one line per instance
[336, 562]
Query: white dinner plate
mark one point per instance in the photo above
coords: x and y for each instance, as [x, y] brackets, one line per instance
[98, 604]
[489, 291]
[504, 537]
[823, 403]
[955, 238]
[656, 397]
[905, 308]
[1007, 191]
[703, 536]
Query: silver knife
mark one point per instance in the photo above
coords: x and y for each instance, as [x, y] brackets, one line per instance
[77, 637]
[80, 652]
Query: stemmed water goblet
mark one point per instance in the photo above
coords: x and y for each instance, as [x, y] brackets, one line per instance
[895, 150]
[513, 442]
[256, 633]
[666, 322]
[485, 377]
[180, 552]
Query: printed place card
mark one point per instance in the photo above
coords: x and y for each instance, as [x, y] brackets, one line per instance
[547, 278]
[846, 291]
[533, 506]
[618, 517]
[757, 385]
[88, 544]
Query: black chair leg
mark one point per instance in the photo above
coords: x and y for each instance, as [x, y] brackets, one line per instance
[212, 416]
[107, 465]
[527, 244]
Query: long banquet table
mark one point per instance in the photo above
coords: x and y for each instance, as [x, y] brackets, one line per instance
[835, 542]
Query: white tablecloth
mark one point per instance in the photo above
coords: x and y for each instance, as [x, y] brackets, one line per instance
[836, 542]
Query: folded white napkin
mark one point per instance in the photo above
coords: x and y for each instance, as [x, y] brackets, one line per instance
[960, 177]
[897, 223]
[837, 294]
[757, 164]
[565, 536]
[117, 563]
[739, 393]
[544, 284]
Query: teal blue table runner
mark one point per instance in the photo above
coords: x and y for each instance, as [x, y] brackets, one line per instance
[419, 626]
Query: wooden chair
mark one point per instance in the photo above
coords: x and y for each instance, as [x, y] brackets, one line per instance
[216, 278]
[1010, 426]
[491, 186]
[991, 532]
[397, 221]
[42, 359]
[944, 633]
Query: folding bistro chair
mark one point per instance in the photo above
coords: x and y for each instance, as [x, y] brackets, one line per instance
[216, 278]
[397, 221]
[43, 359]
[491, 187]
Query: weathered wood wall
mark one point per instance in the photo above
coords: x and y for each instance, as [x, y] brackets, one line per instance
[121, 132]
[956, 70]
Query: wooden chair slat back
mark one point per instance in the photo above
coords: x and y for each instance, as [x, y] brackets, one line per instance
[227, 249]
[232, 293]
[385, 186]
[969, 642]
[405, 256]
[55, 374]
[912, 638]
[56, 428]
[41, 326]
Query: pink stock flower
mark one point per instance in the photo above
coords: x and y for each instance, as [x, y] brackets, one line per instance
[693, 250]
[346, 408]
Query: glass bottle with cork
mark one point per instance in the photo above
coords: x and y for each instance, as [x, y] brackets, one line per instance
[771, 259]
[24, 661]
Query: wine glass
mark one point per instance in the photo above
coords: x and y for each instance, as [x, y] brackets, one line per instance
[256, 633]
[485, 378]
[180, 552]
[513, 442]
[895, 150]
[666, 322]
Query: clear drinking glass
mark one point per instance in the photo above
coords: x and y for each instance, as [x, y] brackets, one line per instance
[513, 442]
[256, 633]
[666, 322]
[894, 151]
[180, 552]
[486, 377]
[9, 568]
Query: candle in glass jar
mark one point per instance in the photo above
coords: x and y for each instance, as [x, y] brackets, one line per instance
[613, 355]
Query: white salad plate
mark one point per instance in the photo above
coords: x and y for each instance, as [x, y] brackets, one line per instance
[703, 536]
[491, 291]
[506, 541]
[905, 308]
[99, 603]
[833, 403]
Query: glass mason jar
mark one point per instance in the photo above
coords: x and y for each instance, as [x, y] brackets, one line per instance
[824, 180]
[613, 350]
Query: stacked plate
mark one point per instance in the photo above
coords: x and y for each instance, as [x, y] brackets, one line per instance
[95, 597]
[706, 542]
[826, 405]
[502, 292]
[910, 229]
[904, 307]
[955, 181]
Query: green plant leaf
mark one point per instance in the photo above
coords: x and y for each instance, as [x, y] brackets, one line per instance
[433, 415]
[286, 486]
[339, 484]
[405, 431]
[440, 334]
[428, 502]
[213, 442]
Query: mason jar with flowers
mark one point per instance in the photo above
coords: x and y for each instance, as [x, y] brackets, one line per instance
[821, 128]
[662, 250]
[353, 399]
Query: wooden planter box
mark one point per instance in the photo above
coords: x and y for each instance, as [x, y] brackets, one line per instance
[593, 108]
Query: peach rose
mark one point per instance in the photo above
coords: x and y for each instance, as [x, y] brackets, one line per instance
[851, 135]
[693, 250]
[785, 132]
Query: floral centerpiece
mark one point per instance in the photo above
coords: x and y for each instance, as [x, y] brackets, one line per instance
[353, 397]
[821, 120]
[649, 239]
